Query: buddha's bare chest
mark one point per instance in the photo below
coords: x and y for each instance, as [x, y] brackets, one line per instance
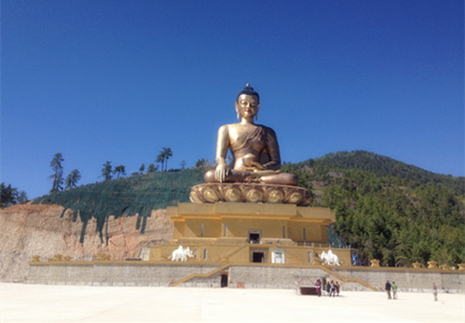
[244, 137]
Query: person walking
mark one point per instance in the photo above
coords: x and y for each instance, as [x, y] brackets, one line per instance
[333, 289]
[337, 288]
[318, 287]
[387, 288]
[435, 292]
[394, 290]
[328, 288]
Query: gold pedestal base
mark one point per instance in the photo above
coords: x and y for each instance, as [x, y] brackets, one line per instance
[249, 192]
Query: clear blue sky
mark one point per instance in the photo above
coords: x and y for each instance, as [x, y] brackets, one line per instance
[117, 80]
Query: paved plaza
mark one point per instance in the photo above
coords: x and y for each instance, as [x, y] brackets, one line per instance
[47, 303]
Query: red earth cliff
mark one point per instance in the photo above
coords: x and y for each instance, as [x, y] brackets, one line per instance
[28, 230]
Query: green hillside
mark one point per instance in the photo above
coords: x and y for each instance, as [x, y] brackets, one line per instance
[127, 196]
[389, 210]
[386, 209]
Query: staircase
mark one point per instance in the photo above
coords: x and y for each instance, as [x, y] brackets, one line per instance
[196, 275]
[348, 279]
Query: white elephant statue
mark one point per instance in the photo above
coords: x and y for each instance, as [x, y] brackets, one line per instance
[181, 254]
[330, 258]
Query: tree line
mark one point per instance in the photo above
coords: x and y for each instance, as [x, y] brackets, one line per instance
[107, 171]
[11, 195]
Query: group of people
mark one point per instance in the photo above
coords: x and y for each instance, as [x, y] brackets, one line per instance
[332, 288]
[388, 287]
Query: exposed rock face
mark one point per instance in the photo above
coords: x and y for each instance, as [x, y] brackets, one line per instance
[27, 230]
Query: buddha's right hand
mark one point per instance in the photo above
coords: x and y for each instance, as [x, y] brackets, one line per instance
[220, 172]
[256, 166]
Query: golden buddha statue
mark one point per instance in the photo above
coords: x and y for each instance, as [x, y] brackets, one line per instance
[254, 148]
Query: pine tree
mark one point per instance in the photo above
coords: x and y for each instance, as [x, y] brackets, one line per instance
[72, 179]
[107, 171]
[57, 175]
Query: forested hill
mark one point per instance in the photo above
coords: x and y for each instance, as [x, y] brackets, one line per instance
[389, 210]
[385, 167]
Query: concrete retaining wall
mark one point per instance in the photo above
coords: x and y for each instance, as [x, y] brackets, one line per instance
[239, 276]
[272, 277]
[112, 274]
[408, 279]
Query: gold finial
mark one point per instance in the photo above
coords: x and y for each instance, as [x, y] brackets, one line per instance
[247, 84]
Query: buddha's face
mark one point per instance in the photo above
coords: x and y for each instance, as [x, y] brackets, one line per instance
[247, 105]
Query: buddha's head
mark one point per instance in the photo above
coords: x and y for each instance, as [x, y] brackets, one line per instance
[247, 103]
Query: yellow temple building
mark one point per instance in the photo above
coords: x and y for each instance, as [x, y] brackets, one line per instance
[240, 233]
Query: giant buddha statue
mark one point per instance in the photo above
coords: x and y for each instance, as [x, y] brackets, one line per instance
[254, 148]
[256, 175]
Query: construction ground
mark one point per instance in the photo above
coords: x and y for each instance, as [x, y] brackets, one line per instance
[60, 303]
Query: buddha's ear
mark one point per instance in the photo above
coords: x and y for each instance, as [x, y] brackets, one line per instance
[237, 110]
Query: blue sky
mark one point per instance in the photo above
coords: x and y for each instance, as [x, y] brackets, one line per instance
[118, 80]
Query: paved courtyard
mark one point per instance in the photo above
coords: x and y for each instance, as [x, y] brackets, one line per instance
[46, 303]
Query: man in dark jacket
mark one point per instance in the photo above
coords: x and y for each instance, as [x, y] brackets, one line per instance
[387, 288]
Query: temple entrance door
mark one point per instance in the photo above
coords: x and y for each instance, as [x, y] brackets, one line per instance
[224, 280]
[258, 256]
